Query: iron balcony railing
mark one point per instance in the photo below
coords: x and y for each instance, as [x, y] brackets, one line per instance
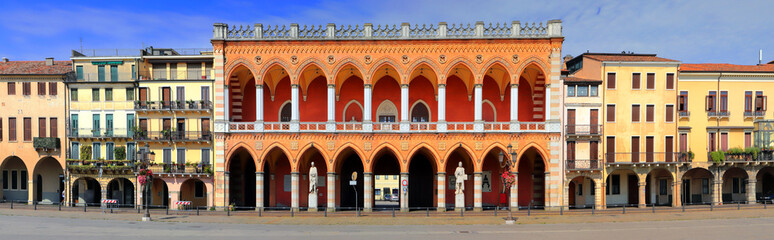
[100, 133]
[645, 157]
[117, 52]
[684, 113]
[583, 164]
[173, 105]
[188, 74]
[170, 135]
[718, 114]
[583, 129]
[174, 168]
[106, 77]
[755, 113]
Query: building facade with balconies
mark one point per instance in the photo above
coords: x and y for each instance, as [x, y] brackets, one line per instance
[174, 120]
[413, 101]
[724, 126]
[100, 120]
[636, 109]
[32, 130]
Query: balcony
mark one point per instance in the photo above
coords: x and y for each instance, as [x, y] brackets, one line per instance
[583, 164]
[121, 77]
[719, 114]
[106, 53]
[388, 127]
[99, 133]
[755, 114]
[92, 166]
[173, 136]
[583, 130]
[646, 158]
[163, 74]
[181, 169]
[46, 143]
[684, 114]
[190, 105]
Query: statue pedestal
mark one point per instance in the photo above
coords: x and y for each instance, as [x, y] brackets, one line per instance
[312, 202]
[459, 202]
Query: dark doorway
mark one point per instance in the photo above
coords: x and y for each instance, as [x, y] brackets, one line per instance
[352, 163]
[242, 179]
[633, 189]
[421, 188]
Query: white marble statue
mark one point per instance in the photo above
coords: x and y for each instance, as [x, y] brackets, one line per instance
[313, 179]
[460, 176]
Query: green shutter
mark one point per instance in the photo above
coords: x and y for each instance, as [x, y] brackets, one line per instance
[101, 73]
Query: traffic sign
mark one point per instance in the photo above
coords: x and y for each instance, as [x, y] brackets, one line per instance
[404, 182]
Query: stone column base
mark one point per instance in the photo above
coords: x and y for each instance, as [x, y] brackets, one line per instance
[442, 209]
[552, 208]
[368, 209]
[331, 209]
[404, 210]
[457, 209]
[312, 209]
[478, 209]
[641, 205]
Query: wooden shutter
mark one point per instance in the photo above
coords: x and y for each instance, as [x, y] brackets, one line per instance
[1, 129]
[649, 112]
[571, 151]
[11, 129]
[610, 145]
[635, 113]
[571, 121]
[166, 124]
[11, 88]
[748, 102]
[206, 125]
[144, 124]
[594, 121]
[27, 129]
[649, 149]
[26, 89]
[747, 139]
[635, 149]
[54, 128]
[670, 81]
[670, 113]
[41, 127]
[683, 142]
[707, 102]
[635, 80]
[651, 81]
[593, 150]
[724, 141]
[668, 148]
[711, 142]
[41, 88]
[165, 96]
[611, 81]
[610, 113]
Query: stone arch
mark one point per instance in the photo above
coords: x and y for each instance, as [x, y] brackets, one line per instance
[341, 150]
[467, 149]
[299, 74]
[342, 64]
[270, 149]
[384, 62]
[486, 102]
[186, 195]
[538, 148]
[502, 84]
[427, 106]
[309, 62]
[433, 72]
[45, 175]
[387, 107]
[344, 111]
[463, 61]
[276, 61]
[282, 107]
[386, 147]
[308, 147]
[497, 61]
[506, 157]
[432, 152]
[234, 65]
[534, 61]
[230, 152]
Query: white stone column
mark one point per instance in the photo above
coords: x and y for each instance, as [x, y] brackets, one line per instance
[294, 190]
[294, 115]
[332, 103]
[477, 95]
[514, 103]
[441, 107]
[717, 188]
[258, 191]
[548, 102]
[226, 99]
[258, 103]
[641, 193]
[598, 194]
[441, 191]
[331, 187]
[404, 102]
[514, 198]
[368, 191]
[367, 103]
[477, 201]
[404, 193]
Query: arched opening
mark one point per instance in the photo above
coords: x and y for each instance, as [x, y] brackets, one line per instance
[386, 171]
[286, 112]
[658, 187]
[49, 181]
[697, 186]
[277, 180]
[15, 179]
[314, 98]
[386, 89]
[488, 111]
[241, 179]
[122, 190]
[735, 185]
[459, 155]
[276, 92]
[87, 191]
[459, 94]
[532, 91]
[387, 112]
[348, 162]
[349, 92]
[420, 112]
[195, 191]
[621, 188]
[159, 193]
[241, 86]
[531, 179]
[422, 181]
[496, 99]
[765, 180]
[353, 112]
[581, 192]
[493, 192]
[309, 157]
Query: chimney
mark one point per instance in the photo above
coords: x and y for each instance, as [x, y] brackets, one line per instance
[5, 59]
[567, 58]
[50, 61]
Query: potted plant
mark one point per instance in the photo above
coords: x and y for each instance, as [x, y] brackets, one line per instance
[718, 157]
[191, 104]
[752, 152]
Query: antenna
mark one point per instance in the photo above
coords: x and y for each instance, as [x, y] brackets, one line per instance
[760, 56]
[81, 39]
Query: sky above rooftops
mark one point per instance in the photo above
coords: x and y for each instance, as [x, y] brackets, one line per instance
[691, 31]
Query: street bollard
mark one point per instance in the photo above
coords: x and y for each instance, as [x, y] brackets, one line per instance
[260, 210]
[496, 211]
[393, 212]
[291, 212]
[12, 204]
[764, 204]
[326, 212]
[624, 209]
[60, 207]
[593, 208]
[711, 207]
[428, 212]
[462, 212]
[529, 209]
[167, 210]
[197, 211]
[683, 205]
[738, 206]
[228, 211]
[34, 206]
[654, 208]
[561, 210]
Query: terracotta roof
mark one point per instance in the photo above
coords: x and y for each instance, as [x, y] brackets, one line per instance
[35, 68]
[725, 67]
[625, 57]
[577, 79]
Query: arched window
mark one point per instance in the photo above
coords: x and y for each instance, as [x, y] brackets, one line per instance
[420, 112]
[488, 111]
[353, 112]
[387, 111]
[285, 112]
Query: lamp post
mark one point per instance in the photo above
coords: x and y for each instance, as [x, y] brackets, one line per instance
[505, 164]
[145, 157]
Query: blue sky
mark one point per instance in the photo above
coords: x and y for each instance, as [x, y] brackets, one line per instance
[693, 31]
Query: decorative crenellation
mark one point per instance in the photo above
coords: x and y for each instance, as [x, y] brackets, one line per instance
[515, 30]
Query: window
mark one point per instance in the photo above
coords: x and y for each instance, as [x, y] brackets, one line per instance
[74, 154]
[635, 149]
[131, 151]
[1, 129]
[11, 129]
[636, 81]
[635, 112]
[395, 177]
[205, 157]
[95, 151]
[735, 186]
[682, 103]
[52, 89]
[23, 181]
[571, 91]
[41, 127]
[205, 93]
[14, 179]
[95, 94]
[167, 156]
[747, 139]
[180, 156]
[5, 179]
[159, 71]
[748, 101]
[610, 80]
[109, 147]
[743, 182]
[173, 71]
[610, 145]
[651, 81]
[386, 118]
[129, 94]
[711, 141]
[649, 148]
[649, 113]
[101, 73]
[724, 101]
[724, 141]
[199, 189]
[108, 94]
[580, 189]
[709, 101]
[134, 72]
[27, 129]
[705, 186]
[41, 89]
[593, 92]
[670, 113]
[26, 88]
[114, 73]
[571, 151]
[95, 125]
[79, 72]
[207, 70]
[583, 91]
[760, 101]
[11, 88]
[377, 178]
[74, 94]
[610, 113]
[616, 182]
[670, 81]
[662, 187]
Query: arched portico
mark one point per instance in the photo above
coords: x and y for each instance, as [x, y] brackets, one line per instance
[49, 181]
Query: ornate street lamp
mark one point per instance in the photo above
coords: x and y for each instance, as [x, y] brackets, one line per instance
[145, 177]
[508, 177]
